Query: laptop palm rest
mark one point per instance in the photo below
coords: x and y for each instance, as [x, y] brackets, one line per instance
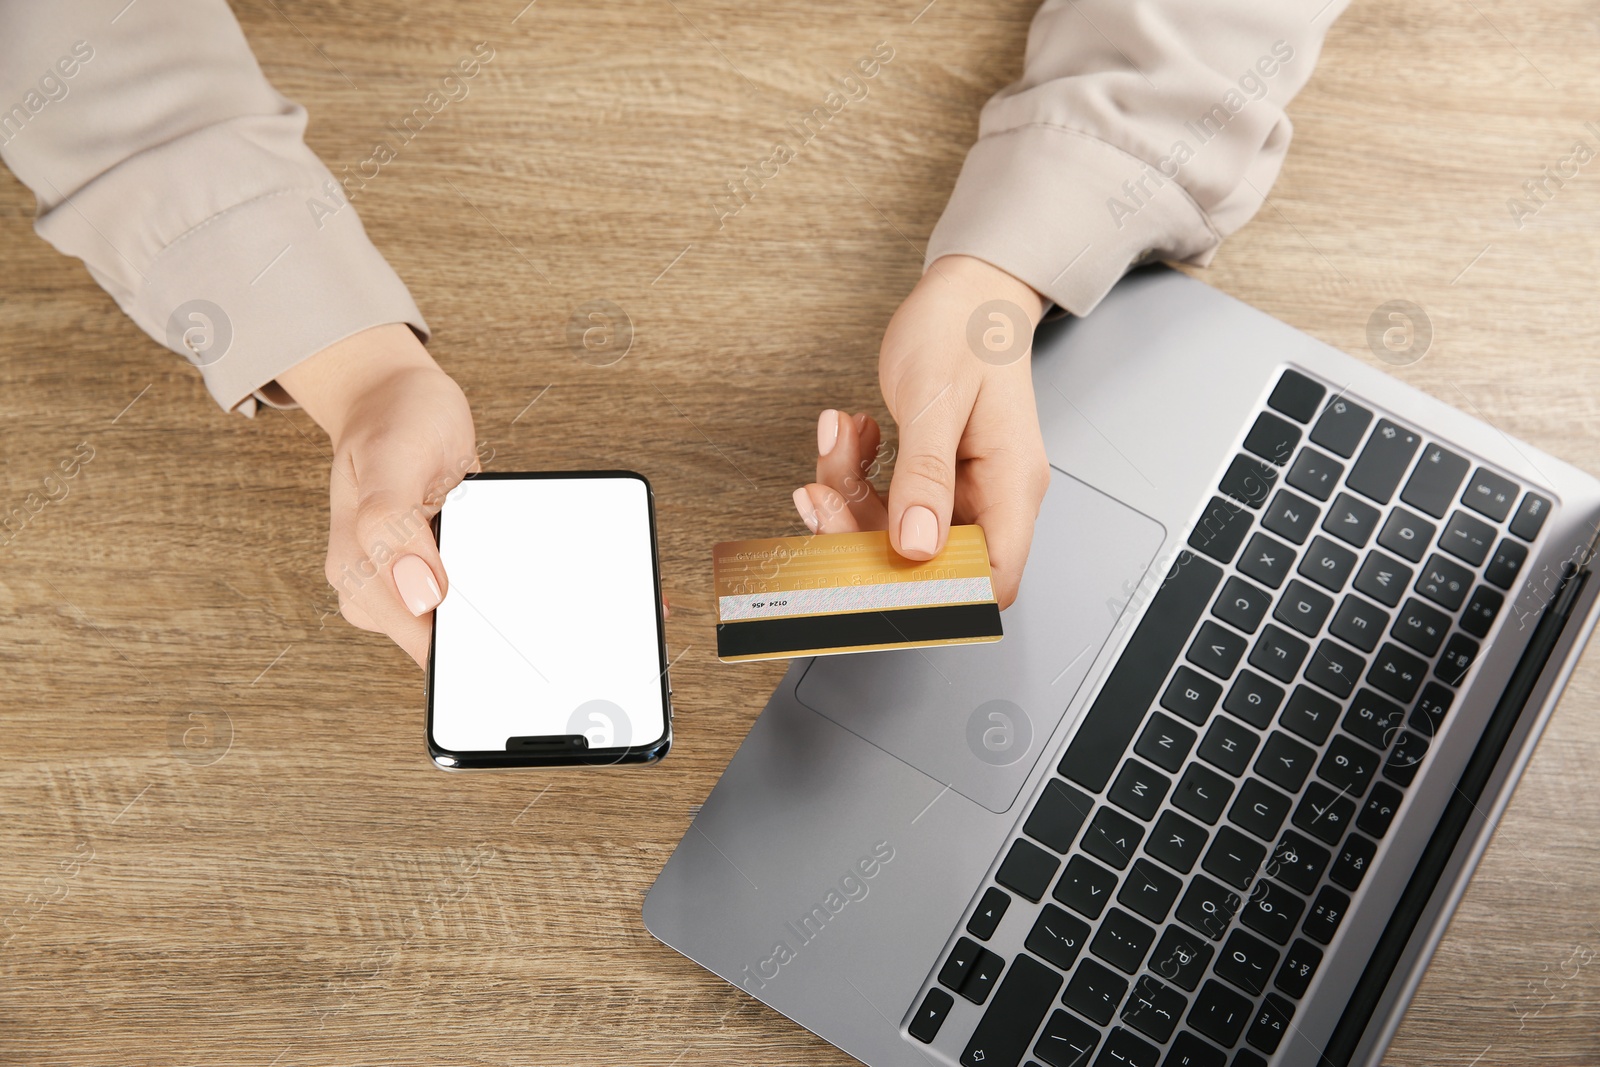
[977, 717]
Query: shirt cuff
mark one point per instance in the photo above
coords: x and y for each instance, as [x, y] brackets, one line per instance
[1067, 213]
[264, 286]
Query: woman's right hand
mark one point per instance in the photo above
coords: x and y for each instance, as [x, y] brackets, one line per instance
[402, 438]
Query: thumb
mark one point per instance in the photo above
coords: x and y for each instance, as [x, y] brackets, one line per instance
[382, 555]
[922, 491]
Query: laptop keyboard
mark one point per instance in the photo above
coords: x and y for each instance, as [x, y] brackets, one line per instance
[1184, 871]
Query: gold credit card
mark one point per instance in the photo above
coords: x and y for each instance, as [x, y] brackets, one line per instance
[823, 594]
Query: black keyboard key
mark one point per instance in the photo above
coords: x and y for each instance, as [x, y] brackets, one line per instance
[1348, 766]
[1291, 517]
[1191, 694]
[1058, 815]
[1351, 521]
[1507, 563]
[1328, 564]
[1234, 858]
[1027, 869]
[1247, 961]
[991, 909]
[1272, 438]
[1272, 911]
[1216, 649]
[1383, 578]
[1530, 516]
[1303, 608]
[1432, 705]
[1154, 1009]
[1420, 627]
[1220, 1014]
[1296, 396]
[1459, 654]
[1176, 841]
[1278, 653]
[1444, 581]
[1355, 856]
[1271, 1022]
[1249, 481]
[1095, 991]
[1323, 920]
[1405, 758]
[985, 973]
[1297, 862]
[1002, 1036]
[1057, 937]
[1123, 1049]
[1150, 891]
[1378, 812]
[1122, 941]
[1131, 687]
[1139, 789]
[1190, 1051]
[1165, 742]
[1228, 745]
[1383, 461]
[1315, 474]
[1341, 427]
[1491, 495]
[1259, 809]
[1299, 967]
[1221, 530]
[931, 1015]
[1208, 908]
[1267, 560]
[1335, 668]
[1359, 623]
[1406, 535]
[1467, 538]
[1180, 957]
[1309, 714]
[1253, 699]
[1285, 762]
[1374, 720]
[1203, 793]
[1481, 609]
[1067, 1041]
[1242, 604]
[1397, 672]
[1324, 813]
[1245, 1058]
[1434, 483]
[1085, 886]
[958, 965]
[1112, 837]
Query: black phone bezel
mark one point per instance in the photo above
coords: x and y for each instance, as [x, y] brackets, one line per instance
[650, 752]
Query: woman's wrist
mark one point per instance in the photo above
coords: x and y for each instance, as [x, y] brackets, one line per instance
[329, 384]
[983, 281]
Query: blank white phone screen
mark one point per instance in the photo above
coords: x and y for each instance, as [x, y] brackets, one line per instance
[549, 625]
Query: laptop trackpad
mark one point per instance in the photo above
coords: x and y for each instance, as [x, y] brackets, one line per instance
[977, 717]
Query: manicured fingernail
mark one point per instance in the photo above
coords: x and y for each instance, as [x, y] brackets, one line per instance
[827, 431]
[919, 530]
[807, 510]
[861, 423]
[418, 588]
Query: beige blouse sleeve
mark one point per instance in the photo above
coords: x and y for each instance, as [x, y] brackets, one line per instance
[1139, 130]
[162, 158]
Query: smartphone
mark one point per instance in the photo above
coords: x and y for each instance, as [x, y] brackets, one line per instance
[549, 648]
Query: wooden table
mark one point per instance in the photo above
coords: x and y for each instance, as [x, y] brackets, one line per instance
[222, 840]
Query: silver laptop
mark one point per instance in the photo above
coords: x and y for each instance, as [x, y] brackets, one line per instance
[1288, 634]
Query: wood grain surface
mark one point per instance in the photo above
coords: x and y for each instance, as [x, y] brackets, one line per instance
[221, 839]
